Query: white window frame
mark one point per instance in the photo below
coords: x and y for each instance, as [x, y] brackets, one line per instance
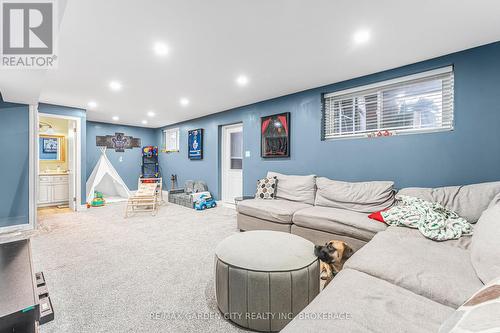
[377, 88]
[165, 139]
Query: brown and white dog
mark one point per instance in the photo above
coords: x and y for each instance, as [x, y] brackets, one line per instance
[332, 257]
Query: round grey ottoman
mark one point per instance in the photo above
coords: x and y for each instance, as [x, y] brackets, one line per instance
[264, 278]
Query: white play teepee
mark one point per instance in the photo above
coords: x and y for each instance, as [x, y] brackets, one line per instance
[106, 180]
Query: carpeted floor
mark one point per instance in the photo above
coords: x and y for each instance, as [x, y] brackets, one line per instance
[141, 274]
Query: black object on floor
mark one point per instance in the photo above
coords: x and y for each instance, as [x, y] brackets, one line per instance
[46, 310]
[40, 279]
[19, 309]
[43, 291]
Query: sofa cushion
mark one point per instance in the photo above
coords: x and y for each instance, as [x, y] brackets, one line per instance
[468, 201]
[485, 247]
[295, 188]
[403, 233]
[432, 269]
[357, 302]
[280, 211]
[363, 197]
[338, 221]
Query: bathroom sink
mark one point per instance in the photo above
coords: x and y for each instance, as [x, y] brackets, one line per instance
[53, 172]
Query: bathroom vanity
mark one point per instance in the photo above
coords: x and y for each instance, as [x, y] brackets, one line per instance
[53, 189]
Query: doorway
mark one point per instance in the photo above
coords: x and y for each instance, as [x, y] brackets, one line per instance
[58, 164]
[231, 163]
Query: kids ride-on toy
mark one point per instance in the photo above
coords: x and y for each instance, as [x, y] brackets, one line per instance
[205, 201]
[98, 199]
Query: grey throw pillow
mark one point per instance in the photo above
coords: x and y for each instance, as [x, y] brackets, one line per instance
[295, 188]
[266, 188]
[363, 197]
[485, 245]
[469, 201]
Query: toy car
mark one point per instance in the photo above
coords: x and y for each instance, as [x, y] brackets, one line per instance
[205, 201]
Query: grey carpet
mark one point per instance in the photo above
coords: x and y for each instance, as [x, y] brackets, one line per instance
[110, 274]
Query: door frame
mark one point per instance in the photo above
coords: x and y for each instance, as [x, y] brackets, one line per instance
[77, 158]
[221, 158]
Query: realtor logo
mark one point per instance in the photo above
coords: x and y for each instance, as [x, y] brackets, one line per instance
[28, 34]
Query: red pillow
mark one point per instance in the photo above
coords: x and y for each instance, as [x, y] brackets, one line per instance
[377, 216]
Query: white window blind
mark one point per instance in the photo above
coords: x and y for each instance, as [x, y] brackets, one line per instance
[171, 139]
[410, 104]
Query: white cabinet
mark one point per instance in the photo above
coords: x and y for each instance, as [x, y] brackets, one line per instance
[53, 190]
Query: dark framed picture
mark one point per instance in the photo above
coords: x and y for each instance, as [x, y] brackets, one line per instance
[275, 135]
[50, 145]
[195, 144]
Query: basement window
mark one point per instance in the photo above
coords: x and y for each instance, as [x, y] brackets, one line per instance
[412, 104]
[171, 138]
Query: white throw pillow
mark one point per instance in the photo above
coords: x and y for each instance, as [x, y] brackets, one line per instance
[481, 312]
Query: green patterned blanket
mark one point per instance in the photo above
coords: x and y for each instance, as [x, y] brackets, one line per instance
[431, 219]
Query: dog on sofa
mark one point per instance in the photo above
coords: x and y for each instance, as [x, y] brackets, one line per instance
[332, 257]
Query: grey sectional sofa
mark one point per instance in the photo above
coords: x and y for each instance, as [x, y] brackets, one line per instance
[319, 209]
[398, 280]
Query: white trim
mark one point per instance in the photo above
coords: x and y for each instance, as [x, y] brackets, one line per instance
[417, 76]
[78, 152]
[33, 165]
[224, 155]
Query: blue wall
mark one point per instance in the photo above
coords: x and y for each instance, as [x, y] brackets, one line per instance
[129, 168]
[14, 175]
[469, 154]
[72, 112]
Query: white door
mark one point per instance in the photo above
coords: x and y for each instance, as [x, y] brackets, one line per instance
[71, 186]
[232, 162]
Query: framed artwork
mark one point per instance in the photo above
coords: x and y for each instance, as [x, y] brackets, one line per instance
[195, 144]
[51, 148]
[119, 142]
[50, 145]
[275, 135]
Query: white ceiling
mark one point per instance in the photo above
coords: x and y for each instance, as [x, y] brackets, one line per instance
[283, 46]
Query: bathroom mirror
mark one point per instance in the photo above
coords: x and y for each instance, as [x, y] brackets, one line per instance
[51, 148]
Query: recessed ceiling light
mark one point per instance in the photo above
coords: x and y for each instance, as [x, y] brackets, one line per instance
[242, 80]
[160, 48]
[115, 85]
[151, 114]
[144, 122]
[184, 101]
[362, 36]
[116, 118]
[92, 104]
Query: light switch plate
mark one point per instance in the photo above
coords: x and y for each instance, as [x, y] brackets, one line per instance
[247, 153]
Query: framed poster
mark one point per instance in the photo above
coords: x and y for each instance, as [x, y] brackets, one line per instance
[195, 144]
[275, 135]
[50, 145]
